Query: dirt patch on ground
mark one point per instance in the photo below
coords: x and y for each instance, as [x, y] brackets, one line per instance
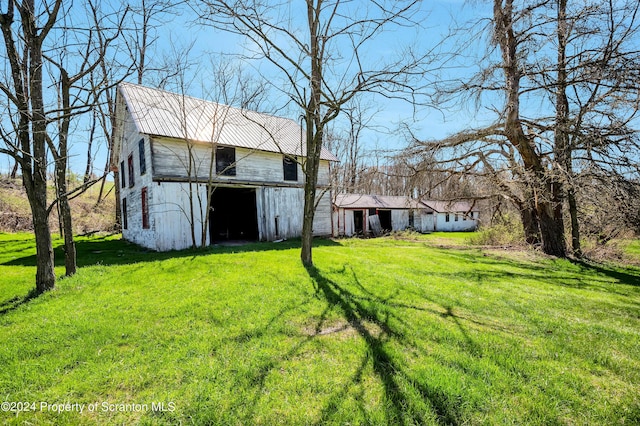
[346, 329]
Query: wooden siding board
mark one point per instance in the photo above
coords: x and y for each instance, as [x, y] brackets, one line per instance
[171, 159]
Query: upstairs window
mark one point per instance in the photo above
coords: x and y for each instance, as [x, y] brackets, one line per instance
[123, 176]
[226, 161]
[290, 166]
[130, 161]
[143, 160]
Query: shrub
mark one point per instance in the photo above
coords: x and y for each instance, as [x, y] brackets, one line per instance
[505, 230]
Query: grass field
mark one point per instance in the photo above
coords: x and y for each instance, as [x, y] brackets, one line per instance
[384, 331]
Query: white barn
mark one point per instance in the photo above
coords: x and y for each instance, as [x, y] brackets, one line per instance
[352, 214]
[173, 151]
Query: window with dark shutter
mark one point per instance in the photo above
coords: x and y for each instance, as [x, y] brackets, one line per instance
[290, 167]
[131, 180]
[123, 176]
[124, 213]
[145, 208]
[226, 161]
[143, 160]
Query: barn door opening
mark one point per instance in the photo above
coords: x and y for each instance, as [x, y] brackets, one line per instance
[385, 219]
[233, 215]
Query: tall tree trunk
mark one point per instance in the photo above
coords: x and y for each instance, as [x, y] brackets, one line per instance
[529, 218]
[89, 167]
[45, 275]
[61, 161]
[14, 171]
[551, 231]
[66, 221]
[575, 225]
[314, 134]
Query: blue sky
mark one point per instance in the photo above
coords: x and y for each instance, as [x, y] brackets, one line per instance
[208, 44]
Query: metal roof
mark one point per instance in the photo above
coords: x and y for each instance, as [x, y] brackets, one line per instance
[451, 206]
[157, 112]
[364, 201]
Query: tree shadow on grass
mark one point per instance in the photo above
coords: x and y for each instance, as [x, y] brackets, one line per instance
[108, 251]
[628, 276]
[17, 301]
[389, 372]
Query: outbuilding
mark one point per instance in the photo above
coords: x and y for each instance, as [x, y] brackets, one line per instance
[363, 214]
[192, 170]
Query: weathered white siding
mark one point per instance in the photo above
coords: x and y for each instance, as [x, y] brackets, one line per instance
[286, 205]
[171, 215]
[399, 220]
[173, 158]
[427, 222]
[462, 224]
[133, 194]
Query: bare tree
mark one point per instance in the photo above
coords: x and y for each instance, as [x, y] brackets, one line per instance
[572, 62]
[323, 61]
[24, 36]
[47, 90]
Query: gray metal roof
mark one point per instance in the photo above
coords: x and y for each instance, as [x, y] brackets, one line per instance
[364, 201]
[160, 113]
[451, 206]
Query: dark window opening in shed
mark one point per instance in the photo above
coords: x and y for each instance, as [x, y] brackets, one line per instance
[385, 219]
[233, 215]
[411, 219]
[226, 161]
[446, 217]
[290, 167]
[372, 212]
[358, 221]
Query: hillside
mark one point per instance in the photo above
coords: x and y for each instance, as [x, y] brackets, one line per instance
[15, 214]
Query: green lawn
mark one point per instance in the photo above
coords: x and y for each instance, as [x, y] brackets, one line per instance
[383, 331]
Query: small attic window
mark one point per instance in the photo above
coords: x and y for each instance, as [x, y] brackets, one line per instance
[226, 161]
[290, 167]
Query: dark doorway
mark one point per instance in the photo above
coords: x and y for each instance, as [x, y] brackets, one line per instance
[358, 222]
[233, 215]
[385, 219]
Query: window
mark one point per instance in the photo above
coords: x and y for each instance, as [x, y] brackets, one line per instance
[143, 160]
[446, 217]
[124, 213]
[411, 219]
[123, 176]
[455, 217]
[225, 161]
[145, 208]
[290, 166]
[130, 161]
